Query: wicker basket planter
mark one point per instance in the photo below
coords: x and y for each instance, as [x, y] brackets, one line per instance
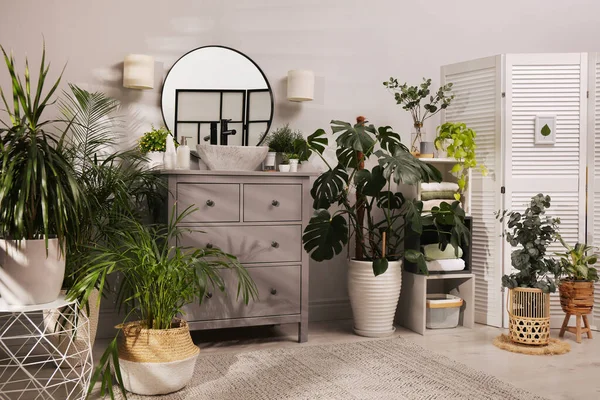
[577, 297]
[529, 316]
[156, 361]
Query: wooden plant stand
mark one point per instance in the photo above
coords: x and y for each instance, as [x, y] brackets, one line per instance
[578, 330]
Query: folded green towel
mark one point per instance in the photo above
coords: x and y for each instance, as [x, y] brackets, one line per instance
[433, 252]
[444, 194]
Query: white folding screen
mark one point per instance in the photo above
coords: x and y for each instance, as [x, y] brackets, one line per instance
[555, 85]
[476, 85]
[593, 206]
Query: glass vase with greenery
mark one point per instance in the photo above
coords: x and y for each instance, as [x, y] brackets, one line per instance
[353, 201]
[458, 141]
[531, 233]
[158, 279]
[410, 98]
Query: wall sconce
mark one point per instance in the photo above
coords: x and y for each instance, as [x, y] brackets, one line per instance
[301, 85]
[138, 72]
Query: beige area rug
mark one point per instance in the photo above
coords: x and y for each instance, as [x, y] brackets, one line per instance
[555, 347]
[379, 369]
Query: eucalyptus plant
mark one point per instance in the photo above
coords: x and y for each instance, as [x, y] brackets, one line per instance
[158, 279]
[410, 98]
[364, 202]
[577, 262]
[531, 233]
[40, 196]
[459, 142]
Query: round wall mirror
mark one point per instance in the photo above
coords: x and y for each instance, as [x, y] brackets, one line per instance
[212, 84]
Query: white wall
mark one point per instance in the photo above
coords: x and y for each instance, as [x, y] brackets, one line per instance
[353, 46]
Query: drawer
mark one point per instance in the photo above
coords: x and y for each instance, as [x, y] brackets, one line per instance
[278, 294]
[250, 243]
[216, 202]
[266, 203]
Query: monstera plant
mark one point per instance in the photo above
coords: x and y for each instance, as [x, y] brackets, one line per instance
[353, 201]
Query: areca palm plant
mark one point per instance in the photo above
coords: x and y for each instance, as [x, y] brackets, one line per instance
[353, 201]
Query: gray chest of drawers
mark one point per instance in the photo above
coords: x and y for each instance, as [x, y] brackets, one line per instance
[259, 217]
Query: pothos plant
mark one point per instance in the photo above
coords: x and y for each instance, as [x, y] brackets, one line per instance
[531, 233]
[410, 97]
[364, 202]
[458, 141]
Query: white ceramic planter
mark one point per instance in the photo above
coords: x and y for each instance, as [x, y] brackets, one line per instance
[155, 159]
[374, 298]
[293, 165]
[27, 274]
[284, 168]
[270, 160]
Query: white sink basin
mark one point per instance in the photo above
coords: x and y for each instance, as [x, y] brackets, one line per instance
[232, 158]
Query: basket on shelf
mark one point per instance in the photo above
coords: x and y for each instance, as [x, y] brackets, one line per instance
[529, 316]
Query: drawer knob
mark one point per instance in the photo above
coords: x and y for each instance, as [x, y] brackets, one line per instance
[275, 203]
[209, 295]
[210, 203]
[209, 245]
[274, 244]
[273, 292]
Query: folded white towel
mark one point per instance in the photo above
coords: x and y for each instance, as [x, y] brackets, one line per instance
[456, 264]
[429, 204]
[439, 187]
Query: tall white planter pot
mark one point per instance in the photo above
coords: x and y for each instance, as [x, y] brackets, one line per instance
[374, 298]
[29, 275]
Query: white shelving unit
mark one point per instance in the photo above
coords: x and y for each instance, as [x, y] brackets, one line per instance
[444, 165]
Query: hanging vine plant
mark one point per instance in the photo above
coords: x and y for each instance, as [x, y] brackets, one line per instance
[459, 142]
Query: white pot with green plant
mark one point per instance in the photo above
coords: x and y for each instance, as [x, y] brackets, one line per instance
[284, 165]
[352, 201]
[153, 145]
[410, 98]
[458, 141]
[294, 161]
[40, 197]
[281, 141]
[155, 354]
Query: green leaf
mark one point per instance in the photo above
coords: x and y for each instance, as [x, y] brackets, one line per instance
[546, 130]
[403, 167]
[317, 141]
[372, 182]
[329, 187]
[380, 265]
[416, 257]
[325, 236]
[358, 137]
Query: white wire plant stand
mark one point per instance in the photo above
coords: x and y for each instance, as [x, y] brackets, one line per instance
[45, 351]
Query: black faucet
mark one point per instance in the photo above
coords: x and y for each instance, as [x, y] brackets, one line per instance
[225, 132]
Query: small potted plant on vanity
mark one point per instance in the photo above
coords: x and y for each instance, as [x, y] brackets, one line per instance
[410, 98]
[155, 354]
[153, 145]
[366, 207]
[284, 165]
[281, 142]
[294, 160]
[40, 197]
[530, 232]
[576, 283]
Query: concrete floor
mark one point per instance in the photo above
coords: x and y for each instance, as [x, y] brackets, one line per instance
[575, 375]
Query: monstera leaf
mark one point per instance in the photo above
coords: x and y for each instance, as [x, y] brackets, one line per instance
[403, 167]
[328, 187]
[324, 236]
[359, 137]
[370, 183]
[347, 157]
[380, 265]
[416, 257]
[315, 142]
[393, 201]
[389, 140]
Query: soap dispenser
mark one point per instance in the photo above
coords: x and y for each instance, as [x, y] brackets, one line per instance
[170, 157]
[183, 154]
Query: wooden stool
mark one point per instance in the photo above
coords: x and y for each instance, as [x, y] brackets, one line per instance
[577, 330]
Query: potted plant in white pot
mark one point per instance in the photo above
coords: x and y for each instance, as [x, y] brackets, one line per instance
[153, 145]
[529, 288]
[281, 142]
[40, 198]
[155, 354]
[367, 208]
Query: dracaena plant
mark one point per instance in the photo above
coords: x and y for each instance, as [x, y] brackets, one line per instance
[353, 201]
[39, 194]
[531, 233]
[577, 262]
